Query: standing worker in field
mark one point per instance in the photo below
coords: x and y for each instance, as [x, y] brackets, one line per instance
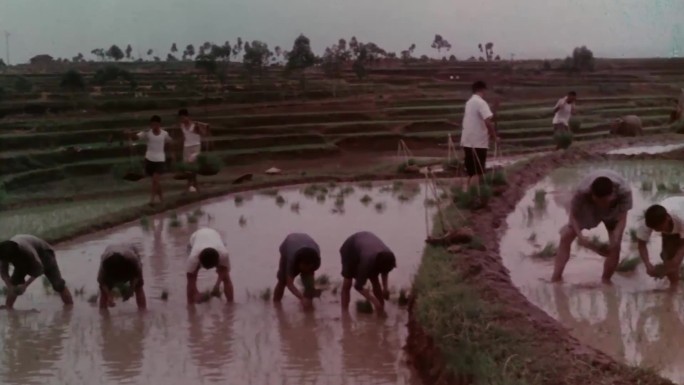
[120, 265]
[667, 218]
[365, 258]
[478, 129]
[155, 156]
[207, 250]
[602, 196]
[563, 111]
[299, 254]
[32, 256]
[192, 142]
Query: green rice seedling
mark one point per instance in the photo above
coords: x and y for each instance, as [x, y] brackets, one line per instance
[322, 280]
[364, 306]
[79, 292]
[647, 186]
[547, 252]
[403, 198]
[265, 294]
[92, 299]
[122, 290]
[321, 198]
[496, 178]
[633, 235]
[175, 222]
[339, 202]
[347, 190]
[239, 199]
[532, 238]
[628, 264]
[661, 187]
[540, 198]
[366, 185]
[295, 207]
[164, 295]
[280, 201]
[562, 140]
[403, 298]
[312, 189]
[366, 199]
[144, 222]
[332, 185]
[380, 207]
[242, 221]
[198, 212]
[397, 185]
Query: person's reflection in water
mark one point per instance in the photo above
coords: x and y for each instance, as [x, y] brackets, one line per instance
[665, 351]
[368, 355]
[210, 337]
[157, 256]
[31, 345]
[605, 335]
[122, 345]
[299, 346]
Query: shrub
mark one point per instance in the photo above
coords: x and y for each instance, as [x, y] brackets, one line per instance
[208, 164]
[562, 140]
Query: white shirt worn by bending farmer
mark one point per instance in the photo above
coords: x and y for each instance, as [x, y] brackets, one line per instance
[202, 239]
[475, 133]
[675, 208]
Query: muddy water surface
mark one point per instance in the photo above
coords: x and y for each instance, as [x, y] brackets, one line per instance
[250, 342]
[634, 320]
[654, 149]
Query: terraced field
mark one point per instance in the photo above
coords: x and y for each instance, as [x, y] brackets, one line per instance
[48, 135]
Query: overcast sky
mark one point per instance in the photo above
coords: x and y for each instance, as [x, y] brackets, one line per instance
[525, 28]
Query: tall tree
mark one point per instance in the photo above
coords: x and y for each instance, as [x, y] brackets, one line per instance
[99, 52]
[128, 51]
[237, 48]
[440, 43]
[174, 49]
[333, 62]
[115, 52]
[72, 81]
[256, 58]
[150, 52]
[300, 57]
[189, 52]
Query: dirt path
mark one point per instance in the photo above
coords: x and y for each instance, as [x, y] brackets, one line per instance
[557, 357]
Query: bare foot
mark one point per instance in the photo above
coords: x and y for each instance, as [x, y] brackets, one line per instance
[606, 281]
[555, 279]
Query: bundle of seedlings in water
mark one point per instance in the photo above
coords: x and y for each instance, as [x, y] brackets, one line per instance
[366, 185]
[92, 299]
[364, 306]
[547, 252]
[366, 199]
[79, 292]
[659, 270]
[242, 221]
[311, 190]
[380, 207]
[628, 264]
[216, 292]
[191, 218]
[295, 207]
[309, 287]
[280, 200]
[204, 296]
[208, 164]
[321, 198]
[496, 178]
[238, 200]
[265, 294]
[164, 295]
[131, 171]
[661, 187]
[346, 191]
[339, 202]
[403, 298]
[562, 140]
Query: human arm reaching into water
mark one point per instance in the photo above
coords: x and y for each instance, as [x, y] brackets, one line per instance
[191, 289]
[224, 276]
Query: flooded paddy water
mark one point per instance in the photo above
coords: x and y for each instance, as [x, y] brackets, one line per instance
[651, 149]
[249, 342]
[634, 320]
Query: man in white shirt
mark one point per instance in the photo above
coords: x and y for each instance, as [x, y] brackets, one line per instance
[155, 156]
[478, 128]
[563, 111]
[667, 218]
[192, 142]
[207, 250]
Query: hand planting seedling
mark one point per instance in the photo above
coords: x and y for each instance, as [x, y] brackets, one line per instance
[628, 264]
[596, 245]
[547, 252]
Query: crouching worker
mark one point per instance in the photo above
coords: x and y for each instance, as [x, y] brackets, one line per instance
[120, 265]
[299, 254]
[207, 250]
[603, 196]
[667, 218]
[33, 257]
[365, 258]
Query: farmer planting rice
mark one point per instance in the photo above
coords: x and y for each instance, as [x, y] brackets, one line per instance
[563, 111]
[299, 254]
[32, 256]
[478, 129]
[667, 218]
[602, 196]
[207, 250]
[155, 156]
[364, 258]
[120, 265]
[192, 142]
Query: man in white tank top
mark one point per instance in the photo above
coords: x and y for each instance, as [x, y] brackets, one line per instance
[192, 142]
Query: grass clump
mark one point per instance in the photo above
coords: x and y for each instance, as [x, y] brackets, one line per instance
[496, 178]
[242, 221]
[239, 199]
[380, 207]
[366, 199]
[265, 294]
[547, 252]
[339, 202]
[562, 140]
[628, 264]
[280, 200]
[364, 306]
[473, 198]
[346, 190]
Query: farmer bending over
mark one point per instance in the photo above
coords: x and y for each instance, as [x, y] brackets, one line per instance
[155, 156]
[365, 257]
[192, 142]
[299, 254]
[208, 251]
[602, 196]
[120, 264]
[32, 256]
[667, 218]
